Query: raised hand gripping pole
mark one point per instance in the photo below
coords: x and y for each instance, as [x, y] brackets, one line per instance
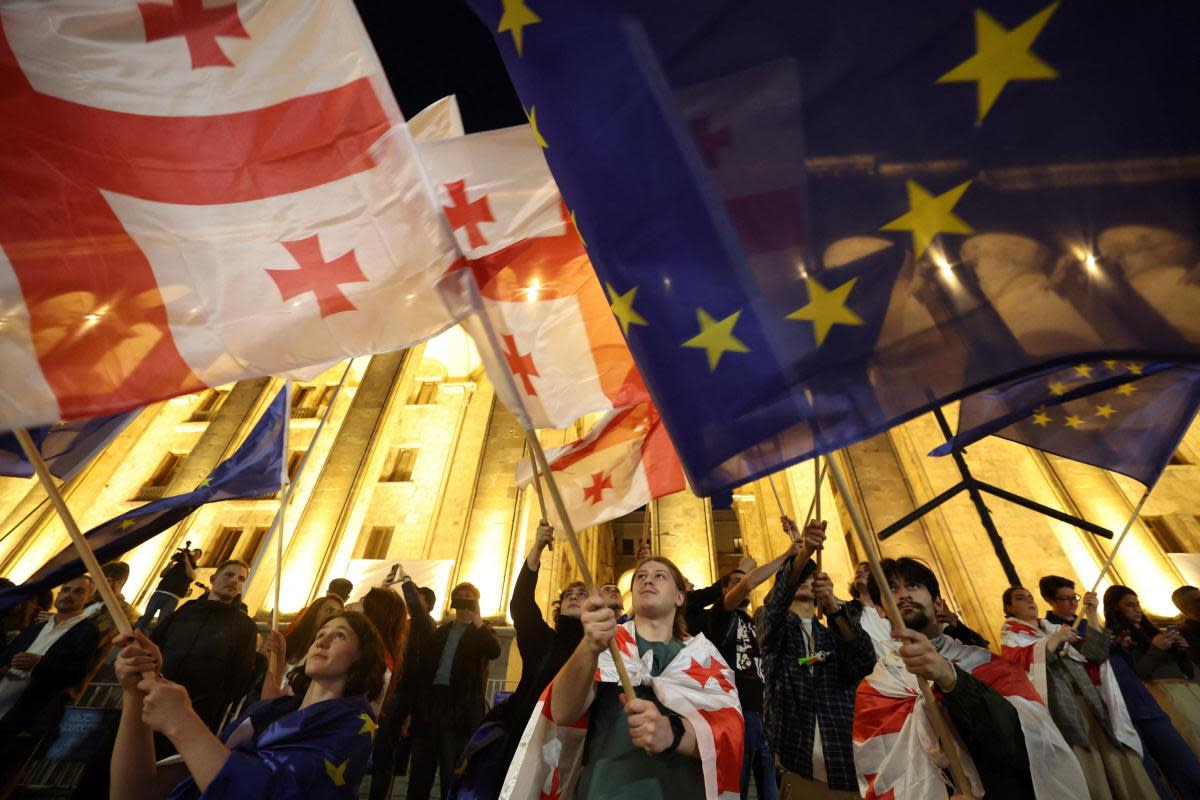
[962, 786]
[90, 561]
[1112, 554]
[541, 465]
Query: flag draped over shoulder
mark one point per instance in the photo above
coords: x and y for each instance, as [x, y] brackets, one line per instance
[527, 273]
[828, 220]
[197, 193]
[625, 461]
[1025, 646]
[896, 751]
[1125, 416]
[66, 447]
[697, 685]
[255, 468]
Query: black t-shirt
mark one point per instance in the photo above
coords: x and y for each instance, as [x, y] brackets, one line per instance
[176, 579]
[734, 634]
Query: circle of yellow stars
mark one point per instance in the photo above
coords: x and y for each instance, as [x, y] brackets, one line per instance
[1076, 418]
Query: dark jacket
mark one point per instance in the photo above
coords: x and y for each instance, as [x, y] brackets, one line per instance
[798, 697]
[63, 666]
[208, 647]
[543, 650]
[468, 676]
[420, 635]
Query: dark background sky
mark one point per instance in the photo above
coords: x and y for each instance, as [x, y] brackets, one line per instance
[432, 49]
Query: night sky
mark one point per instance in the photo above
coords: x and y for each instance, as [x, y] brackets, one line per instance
[430, 50]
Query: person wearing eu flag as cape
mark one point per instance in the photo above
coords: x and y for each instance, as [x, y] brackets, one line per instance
[312, 744]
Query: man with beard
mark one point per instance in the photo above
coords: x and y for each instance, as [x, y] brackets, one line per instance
[1009, 745]
[811, 671]
[208, 646]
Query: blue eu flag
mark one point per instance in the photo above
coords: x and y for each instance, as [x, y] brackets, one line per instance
[256, 468]
[66, 448]
[815, 221]
[1120, 415]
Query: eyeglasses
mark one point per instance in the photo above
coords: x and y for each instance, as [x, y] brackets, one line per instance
[1069, 598]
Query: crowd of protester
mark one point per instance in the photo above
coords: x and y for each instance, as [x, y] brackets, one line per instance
[1086, 697]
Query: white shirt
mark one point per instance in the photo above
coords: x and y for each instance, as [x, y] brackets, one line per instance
[17, 680]
[818, 753]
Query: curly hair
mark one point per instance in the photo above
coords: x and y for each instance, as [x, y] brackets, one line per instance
[365, 676]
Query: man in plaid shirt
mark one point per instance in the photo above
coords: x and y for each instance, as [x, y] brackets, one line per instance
[811, 673]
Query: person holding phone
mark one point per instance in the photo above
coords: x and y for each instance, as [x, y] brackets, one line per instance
[450, 680]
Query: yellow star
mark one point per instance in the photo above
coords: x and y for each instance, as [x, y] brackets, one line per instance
[1105, 411]
[206, 482]
[126, 524]
[1041, 418]
[622, 308]
[1084, 370]
[531, 115]
[1134, 368]
[716, 337]
[578, 232]
[369, 725]
[1058, 388]
[1110, 364]
[1126, 389]
[826, 308]
[1073, 421]
[1001, 56]
[336, 772]
[928, 215]
[516, 16]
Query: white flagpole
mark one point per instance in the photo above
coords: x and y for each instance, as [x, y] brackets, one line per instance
[1112, 554]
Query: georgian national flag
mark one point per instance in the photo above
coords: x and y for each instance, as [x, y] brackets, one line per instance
[896, 752]
[697, 685]
[555, 337]
[199, 191]
[625, 461]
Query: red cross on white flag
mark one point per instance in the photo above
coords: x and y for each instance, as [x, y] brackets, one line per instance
[198, 192]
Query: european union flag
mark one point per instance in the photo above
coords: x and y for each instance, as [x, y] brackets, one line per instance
[1124, 416]
[817, 220]
[256, 468]
[66, 448]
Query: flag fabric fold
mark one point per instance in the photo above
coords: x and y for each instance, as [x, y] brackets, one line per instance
[66, 447]
[254, 469]
[625, 461]
[1124, 416]
[697, 685]
[896, 751]
[827, 221]
[196, 196]
[1025, 646]
[527, 272]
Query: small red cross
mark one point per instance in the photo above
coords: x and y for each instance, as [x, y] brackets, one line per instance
[625, 641]
[890, 794]
[709, 141]
[521, 365]
[715, 669]
[595, 493]
[467, 215]
[318, 276]
[555, 792]
[198, 25]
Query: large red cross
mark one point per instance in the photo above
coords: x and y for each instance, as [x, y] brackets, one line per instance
[520, 364]
[715, 669]
[318, 276]
[555, 792]
[469, 215]
[70, 253]
[198, 25]
[710, 141]
[594, 494]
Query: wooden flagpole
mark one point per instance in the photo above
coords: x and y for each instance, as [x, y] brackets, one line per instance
[1112, 554]
[817, 498]
[962, 786]
[540, 462]
[774, 491]
[284, 483]
[111, 604]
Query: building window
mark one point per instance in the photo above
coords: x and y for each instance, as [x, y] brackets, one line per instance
[424, 393]
[311, 401]
[399, 465]
[294, 459]
[1178, 459]
[209, 405]
[373, 542]
[627, 547]
[221, 548]
[156, 487]
[1166, 535]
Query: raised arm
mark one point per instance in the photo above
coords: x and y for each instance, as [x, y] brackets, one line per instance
[526, 615]
[574, 686]
[756, 575]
